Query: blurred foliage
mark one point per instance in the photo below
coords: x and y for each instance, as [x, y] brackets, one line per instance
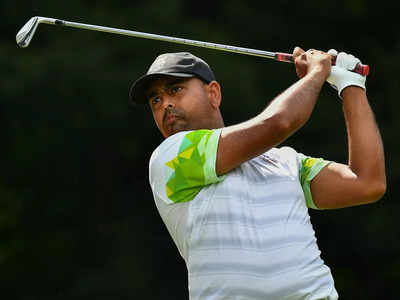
[76, 212]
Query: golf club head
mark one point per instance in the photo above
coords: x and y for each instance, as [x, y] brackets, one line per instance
[25, 34]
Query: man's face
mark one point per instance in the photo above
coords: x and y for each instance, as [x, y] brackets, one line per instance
[179, 104]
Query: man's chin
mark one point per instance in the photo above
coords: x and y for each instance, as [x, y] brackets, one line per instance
[176, 127]
[176, 130]
[171, 131]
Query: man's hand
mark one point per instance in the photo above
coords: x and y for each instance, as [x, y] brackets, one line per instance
[312, 61]
[341, 76]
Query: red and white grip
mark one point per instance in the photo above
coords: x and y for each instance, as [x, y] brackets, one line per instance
[286, 57]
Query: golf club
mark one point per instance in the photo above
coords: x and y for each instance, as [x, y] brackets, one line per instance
[25, 35]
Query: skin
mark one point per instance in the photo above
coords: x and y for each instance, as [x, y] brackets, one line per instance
[192, 104]
[363, 179]
[185, 104]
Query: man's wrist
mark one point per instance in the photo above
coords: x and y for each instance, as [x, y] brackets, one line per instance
[318, 74]
[351, 91]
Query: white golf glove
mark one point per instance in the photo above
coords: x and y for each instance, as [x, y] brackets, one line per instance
[340, 76]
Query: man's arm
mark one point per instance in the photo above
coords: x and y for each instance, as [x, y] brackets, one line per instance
[363, 180]
[286, 113]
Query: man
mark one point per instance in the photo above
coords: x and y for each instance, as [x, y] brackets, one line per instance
[236, 207]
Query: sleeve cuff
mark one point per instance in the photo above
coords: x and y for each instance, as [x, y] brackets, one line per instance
[316, 168]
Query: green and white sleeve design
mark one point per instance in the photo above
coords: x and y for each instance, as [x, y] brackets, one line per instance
[187, 163]
[309, 168]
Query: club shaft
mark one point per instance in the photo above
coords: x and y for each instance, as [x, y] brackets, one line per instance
[284, 57]
[164, 38]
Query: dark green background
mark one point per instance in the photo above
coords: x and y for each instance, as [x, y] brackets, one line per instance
[77, 216]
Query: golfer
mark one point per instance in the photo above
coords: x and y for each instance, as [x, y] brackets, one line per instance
[237, 206]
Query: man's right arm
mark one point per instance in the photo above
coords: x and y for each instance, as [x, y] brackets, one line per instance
[283, 116]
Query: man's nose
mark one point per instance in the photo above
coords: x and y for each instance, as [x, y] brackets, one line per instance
[168, 102]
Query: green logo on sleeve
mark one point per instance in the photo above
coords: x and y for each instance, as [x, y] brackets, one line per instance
[188, 176]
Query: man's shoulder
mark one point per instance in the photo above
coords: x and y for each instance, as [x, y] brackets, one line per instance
[168, 144]
[183, 164]
[183, 141]
[171, 140]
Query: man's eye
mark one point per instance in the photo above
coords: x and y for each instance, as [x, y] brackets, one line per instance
[155, 100]
[175, 89]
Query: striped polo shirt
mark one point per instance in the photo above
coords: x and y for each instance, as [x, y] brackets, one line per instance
[244, 235]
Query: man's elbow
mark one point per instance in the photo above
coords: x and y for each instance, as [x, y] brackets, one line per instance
[375, 191]
[285, 126]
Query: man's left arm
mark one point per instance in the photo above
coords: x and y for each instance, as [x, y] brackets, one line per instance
[363, 179]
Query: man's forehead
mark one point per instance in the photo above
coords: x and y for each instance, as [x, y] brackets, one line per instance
[164, 81]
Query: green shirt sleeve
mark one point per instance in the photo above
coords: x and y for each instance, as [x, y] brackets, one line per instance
[188, 164]
[309, 168]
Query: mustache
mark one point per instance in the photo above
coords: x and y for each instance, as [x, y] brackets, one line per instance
[172, 112]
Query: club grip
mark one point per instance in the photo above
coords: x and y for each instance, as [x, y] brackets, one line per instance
[360, 68]
[286, 57]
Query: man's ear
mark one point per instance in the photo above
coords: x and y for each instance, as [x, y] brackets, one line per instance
[214, 94]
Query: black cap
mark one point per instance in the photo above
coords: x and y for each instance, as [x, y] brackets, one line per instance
[182, 64]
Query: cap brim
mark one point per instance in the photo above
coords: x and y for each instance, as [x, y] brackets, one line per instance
[137, 93]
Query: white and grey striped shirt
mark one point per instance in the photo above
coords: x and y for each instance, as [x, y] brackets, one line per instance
[246, 235]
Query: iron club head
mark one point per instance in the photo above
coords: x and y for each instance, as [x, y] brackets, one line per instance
[25, 34]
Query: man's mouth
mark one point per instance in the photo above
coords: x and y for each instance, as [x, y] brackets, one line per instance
[170, 118]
